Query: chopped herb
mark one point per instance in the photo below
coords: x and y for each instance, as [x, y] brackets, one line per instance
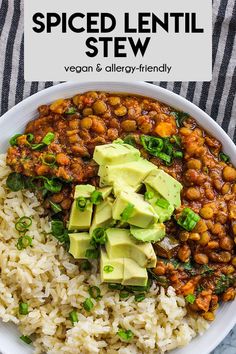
[124, 295]
[139, 297]
[73, 316]
[129, 139]
[223, 283]
[23, 223]
[96, 197]
[148, 195]
[92, 253]
[37, 146]
[178, 154]
[23, 308]
[175, 263]
[161, 280]
[26, 339]
[15, 182]
[85, 265]
[88, 304]
[163, 203]
[108, 269]
[188, 219]
[59, 231]
[115, 286]
[71, 110]
[190, 298]
[81, 203]
[55, 207]
[188, 266]
[13, 140]
[180, 117]
[52, 185]
[48, 139]
[99, 236]
[205, 269]
[200, 288]
[24, 242]
[177, 139]
[94, 292]
[224, 157]
[125, 335]
[127, 212]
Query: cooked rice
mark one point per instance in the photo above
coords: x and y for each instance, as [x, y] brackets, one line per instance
[48, 279]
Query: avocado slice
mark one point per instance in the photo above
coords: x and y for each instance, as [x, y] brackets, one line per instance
[168, 187]
[83, 190]
[154, 234]
[134, 275]
[112, 154]
[116, 272]
[79, 243]
[143, 214]
[120, 243]
[165, 213]
[106, 191]
[80, 220]
[102, 215]
[130, 173]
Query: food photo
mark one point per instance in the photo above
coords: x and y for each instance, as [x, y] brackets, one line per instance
[117, 211]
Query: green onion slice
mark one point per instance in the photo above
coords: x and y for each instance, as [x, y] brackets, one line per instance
[73, 316]
[55, 207]
[99, 236]
[13, 140]
[190, 298]
[125, 335]
[92, 253]
[23, 223]
[81, 203]
[24, 242]
[26, 339]
[139, 297]
[148, 195]
[23, 308]
[49, 159]
[71, 110]
[188, 219]
[96, 197]
[108, 269]
[48, 139]
[124, 294]
[127, 212]
[178, 154]
[85, 265]
[38, 146]
[163, 203]
[224, 157]
[88, 304]
[115, 286]
[94, 292]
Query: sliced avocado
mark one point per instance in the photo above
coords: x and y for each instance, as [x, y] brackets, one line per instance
[165, 213]
[83, 190]
[112, 154]
[106, 191]
[120, 243]
[153, 234]
[111, 270]
[165, 185]
[143, 214]
[130, 173]
[134, 275]
[102, 215]
[80, 220]
[79, 243]
[118, 188]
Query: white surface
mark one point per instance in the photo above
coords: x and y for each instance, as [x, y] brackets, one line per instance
[14, 122]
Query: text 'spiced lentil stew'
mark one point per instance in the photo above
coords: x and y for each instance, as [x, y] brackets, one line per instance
[56, 153]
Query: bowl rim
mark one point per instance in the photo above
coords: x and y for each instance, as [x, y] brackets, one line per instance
[148, 90]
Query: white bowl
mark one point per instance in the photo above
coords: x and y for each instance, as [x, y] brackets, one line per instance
[15, 120]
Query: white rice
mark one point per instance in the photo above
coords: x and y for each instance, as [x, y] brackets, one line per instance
[48, 279]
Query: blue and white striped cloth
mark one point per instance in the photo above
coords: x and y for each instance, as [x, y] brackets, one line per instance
[217, 98]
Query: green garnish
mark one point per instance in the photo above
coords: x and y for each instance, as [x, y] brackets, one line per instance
[23, 223]
[85, 265]
[52, 185]
[59, 231]
[115, 286]
[129, 139]
[190, 298]
[188, 219]
[49, 159]
[160, 279]
[124, 294]
[178, 154]
[177, 139]
[92, 253]
[125, 335]
[47, 140]
[188, 266]
[223, 283]
[23, 308]
[94, 292]
[224, 157]
[96, 197]
[24, 242]
[81, 203]
[71, 110]
[88, 304]
[148, 195]
[55, 207]
[73, 316]
[205, 269]
[13, 140]
[15, 182]
[108, 269]
[139, 297]
[127, 212]
[180, 117]
[26, 339]
[163, 203]
[99, 236]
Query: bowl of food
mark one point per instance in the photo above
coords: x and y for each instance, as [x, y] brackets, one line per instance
[117, 223]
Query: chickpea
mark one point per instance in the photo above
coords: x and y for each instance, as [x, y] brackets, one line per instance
[201, 226]
[99, 107]
[59, 106]
[98, 126]
[160, 270]
[112, 133]
[206, 212]
[57, 198]
[121, 111]
[217, 184]
[209, 193]
[226, 243]
[62, 159]
[194, 236]
[229, 174]
[204, 238]
[93, 95]
[74, 139]
[185, 131]
[234, 261]
[218, 229]
[234, 188]
[86, 123]
[221, 217]
[213, 245]
[129, 125]
[201, 258]
[229, 294]
[223, 257]
[184, 253]
[226, 188]
[194, 164]
[87, 112]
[228, 269]
[66, 204]
[74, 124]
[234, 227]
[209, 316]
[114, 101]
[193, 193]
[184, 235]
